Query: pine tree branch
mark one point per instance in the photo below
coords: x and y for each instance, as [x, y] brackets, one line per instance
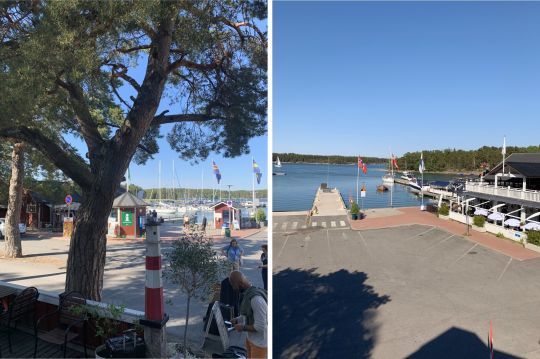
[71, 164]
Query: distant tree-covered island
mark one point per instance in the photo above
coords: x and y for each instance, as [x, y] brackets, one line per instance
[447, 160]
[332, 159]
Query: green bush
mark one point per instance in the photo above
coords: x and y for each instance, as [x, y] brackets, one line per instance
[500, 235]
[354, 208]
[444, 210]
[533, 237]
[479, 221]
[260, 216]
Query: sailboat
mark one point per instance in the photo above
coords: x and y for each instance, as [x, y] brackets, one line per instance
[278, 165]
[388, 178]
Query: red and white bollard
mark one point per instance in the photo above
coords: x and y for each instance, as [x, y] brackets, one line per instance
[155, 316]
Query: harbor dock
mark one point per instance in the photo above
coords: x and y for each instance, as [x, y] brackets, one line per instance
[328, 202]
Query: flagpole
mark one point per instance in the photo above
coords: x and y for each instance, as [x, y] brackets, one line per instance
[253, 181]
[504, 152]
[357, 176]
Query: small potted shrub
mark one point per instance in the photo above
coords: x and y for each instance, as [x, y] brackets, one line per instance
[354, 211]
[444, 211]
[478, 223]
[104, 320]
[260, 217]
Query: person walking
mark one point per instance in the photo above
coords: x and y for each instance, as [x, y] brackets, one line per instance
[264, 266]
[253, 315]
[204, 224]
[234, 253]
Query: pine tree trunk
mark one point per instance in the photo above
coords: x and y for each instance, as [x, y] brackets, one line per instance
[13, 247]
[87, 250]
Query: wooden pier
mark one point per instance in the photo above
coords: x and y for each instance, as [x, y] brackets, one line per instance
[328, 202]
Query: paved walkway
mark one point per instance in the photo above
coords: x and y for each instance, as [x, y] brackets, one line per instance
[391, 217]
[44, 266]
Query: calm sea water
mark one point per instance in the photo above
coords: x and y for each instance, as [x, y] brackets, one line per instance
[296, 190]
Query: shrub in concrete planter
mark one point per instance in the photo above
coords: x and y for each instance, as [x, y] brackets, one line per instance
[444, 211]
[354, 211]
[533, 237]
[478, 224]
[479, 221]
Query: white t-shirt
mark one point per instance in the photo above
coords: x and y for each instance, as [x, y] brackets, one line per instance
[260, 309]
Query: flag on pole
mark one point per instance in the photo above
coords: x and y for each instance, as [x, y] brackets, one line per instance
[504, 146]
[421, 167]
[216, 171]
[394, 161]
[257, 172]
[362, 165]
[490, 340]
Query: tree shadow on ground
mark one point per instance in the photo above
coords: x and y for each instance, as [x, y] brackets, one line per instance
[324, 316]
[457, 343]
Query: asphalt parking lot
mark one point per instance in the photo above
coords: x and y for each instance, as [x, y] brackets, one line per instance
[411, 291]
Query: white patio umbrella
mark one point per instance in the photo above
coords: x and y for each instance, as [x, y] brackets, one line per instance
[532, 226]
[496, 216]
[512, 222]
[481, 212]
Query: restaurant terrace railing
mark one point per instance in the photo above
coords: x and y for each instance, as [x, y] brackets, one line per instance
[516, 193]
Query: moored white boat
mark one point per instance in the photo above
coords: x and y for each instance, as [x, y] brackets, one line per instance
[388, 179]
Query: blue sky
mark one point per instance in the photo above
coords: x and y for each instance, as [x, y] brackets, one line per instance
[237, 172]
[360, 77]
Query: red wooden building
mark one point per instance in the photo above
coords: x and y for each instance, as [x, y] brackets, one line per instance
[223, 213]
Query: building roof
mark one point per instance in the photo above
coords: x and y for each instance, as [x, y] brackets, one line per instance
[222, 203]
[525, 164]
[128, 200]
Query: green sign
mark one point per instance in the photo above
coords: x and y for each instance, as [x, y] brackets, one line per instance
[127, 218]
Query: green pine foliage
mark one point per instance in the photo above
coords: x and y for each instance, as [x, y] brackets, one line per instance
[452, 160]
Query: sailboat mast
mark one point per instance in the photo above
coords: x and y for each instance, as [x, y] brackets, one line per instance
[159, 180]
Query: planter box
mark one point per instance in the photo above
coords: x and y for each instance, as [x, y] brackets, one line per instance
[446, 218]
[479, 229]
[354, 217]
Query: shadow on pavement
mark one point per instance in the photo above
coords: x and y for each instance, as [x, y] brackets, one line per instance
[330, 316]
[457, 343]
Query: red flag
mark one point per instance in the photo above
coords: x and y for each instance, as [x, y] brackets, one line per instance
[490, 340]
[394, 161]
[362, 165]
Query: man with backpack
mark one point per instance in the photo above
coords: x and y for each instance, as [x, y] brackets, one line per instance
[253, 315]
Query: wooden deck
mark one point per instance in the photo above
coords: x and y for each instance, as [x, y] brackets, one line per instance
[23, 347]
